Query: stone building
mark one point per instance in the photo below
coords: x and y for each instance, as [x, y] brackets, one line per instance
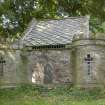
[54, 52]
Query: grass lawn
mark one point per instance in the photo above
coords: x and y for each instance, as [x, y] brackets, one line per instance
[38, 95]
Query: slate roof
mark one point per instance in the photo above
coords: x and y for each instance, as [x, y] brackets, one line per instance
[53, 32]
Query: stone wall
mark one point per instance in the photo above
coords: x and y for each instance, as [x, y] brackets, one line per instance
[89, 73]
[38, 67]
[81, 64]
[13, 71]
[49, 66]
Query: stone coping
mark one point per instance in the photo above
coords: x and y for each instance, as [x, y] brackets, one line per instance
[90, 42]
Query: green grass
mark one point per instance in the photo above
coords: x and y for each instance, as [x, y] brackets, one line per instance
[59, 95]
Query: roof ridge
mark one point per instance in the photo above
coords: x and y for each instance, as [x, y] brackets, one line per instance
[77, 17]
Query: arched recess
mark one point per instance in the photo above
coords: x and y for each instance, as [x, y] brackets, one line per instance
[48, 74]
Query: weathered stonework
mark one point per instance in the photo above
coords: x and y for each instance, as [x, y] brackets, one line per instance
[96, 49]
[14, 69]
[55, 52]
[49, 66]
[56, 66]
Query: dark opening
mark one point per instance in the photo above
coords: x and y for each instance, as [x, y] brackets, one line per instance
[89, 60]
[48, 75]
[2, 62]
[49, 46]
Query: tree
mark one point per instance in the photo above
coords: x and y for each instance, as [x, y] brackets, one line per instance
[96, 10]
[16, 14]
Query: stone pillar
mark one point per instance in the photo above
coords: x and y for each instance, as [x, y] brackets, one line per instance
[22, 69]
[89, 63]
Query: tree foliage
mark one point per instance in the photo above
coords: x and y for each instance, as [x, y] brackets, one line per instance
[16, 14]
